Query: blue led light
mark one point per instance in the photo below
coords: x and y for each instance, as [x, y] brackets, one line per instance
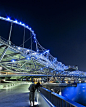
[20, 22]
[8, 18]
[34, 37]
[37, 50]
[28, 58]
[13, 60]
[16, 21]
[54, 60]
[27, 26]
[28, 50]
[30, 29]
[23, 24]
[19, 48]
[48, 50]
[41, 69]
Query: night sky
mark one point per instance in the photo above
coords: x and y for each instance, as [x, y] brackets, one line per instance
[60, 26]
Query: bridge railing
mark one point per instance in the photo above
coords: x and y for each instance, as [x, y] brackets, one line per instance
[58, 100]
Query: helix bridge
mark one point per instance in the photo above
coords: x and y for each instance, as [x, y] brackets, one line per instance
[35, 59]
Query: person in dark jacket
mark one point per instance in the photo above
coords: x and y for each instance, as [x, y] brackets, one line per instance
[32, 89]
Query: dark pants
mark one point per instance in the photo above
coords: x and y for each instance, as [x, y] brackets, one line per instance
[31, 97]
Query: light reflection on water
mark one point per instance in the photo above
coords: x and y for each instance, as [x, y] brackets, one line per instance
[77, 94]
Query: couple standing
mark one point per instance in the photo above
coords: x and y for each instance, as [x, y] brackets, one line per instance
[32, 89]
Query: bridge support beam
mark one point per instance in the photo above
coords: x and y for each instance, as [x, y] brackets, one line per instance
[59, 79]
[3, 53]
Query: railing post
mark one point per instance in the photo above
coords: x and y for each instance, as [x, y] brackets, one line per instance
[65, 104]
[62, 103]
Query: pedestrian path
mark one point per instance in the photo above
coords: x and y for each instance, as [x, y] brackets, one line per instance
[17, 96]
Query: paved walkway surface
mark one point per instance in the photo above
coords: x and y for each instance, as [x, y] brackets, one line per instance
[17, 96]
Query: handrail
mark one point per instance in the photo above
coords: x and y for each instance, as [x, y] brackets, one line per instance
[58, 100]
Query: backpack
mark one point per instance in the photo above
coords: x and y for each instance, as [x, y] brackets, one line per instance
[32, 88]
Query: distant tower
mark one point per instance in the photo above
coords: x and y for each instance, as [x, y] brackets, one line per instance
[76, 67]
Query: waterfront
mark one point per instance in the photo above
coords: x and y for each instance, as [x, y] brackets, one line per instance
[18, 95]
[76, 94]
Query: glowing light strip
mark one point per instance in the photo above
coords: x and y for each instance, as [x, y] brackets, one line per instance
[19, 23]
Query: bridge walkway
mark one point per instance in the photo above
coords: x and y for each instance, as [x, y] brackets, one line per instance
[17, 96]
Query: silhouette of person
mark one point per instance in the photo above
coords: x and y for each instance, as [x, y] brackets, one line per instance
[32, 89]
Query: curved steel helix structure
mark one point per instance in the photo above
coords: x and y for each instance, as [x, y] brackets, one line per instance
[20, 59]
